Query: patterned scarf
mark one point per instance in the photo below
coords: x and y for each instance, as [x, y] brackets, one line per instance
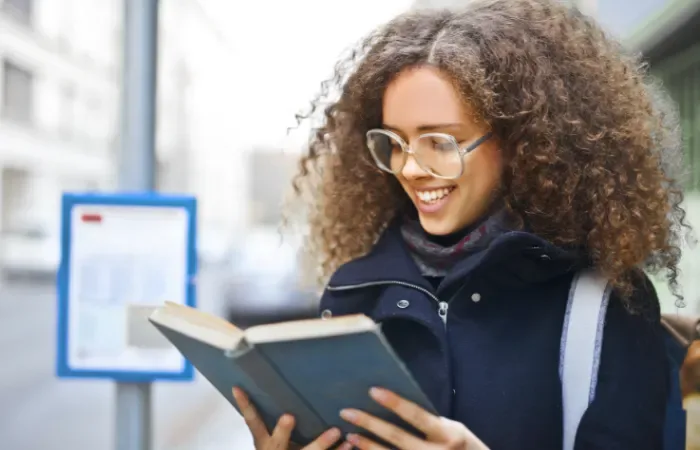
[434, 259]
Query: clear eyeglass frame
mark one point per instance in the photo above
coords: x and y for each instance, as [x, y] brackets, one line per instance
[407, 150]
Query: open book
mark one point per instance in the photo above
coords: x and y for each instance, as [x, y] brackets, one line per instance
[308, 368]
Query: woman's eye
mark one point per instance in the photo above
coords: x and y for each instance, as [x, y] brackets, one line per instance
[441, 145]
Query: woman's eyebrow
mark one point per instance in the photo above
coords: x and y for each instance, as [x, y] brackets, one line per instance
[427, 127]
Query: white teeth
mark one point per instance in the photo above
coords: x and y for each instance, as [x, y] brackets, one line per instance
[433, 195]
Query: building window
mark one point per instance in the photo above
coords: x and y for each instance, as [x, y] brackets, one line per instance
[16, 195]
[267, 192]
[18, 93]
[67, 117]
[96, 120]
[22, 10]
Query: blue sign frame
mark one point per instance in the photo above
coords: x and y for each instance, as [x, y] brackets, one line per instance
[148, 199]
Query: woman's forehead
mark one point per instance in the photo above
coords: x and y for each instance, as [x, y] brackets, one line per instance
[424, 99]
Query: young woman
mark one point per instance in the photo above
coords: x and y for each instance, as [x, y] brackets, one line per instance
[475, 161]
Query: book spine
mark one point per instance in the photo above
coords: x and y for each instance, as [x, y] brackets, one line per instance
[308, 424]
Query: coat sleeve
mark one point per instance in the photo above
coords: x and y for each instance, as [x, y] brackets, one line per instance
[629, 407]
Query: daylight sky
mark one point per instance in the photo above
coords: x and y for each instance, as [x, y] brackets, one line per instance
[282, 51]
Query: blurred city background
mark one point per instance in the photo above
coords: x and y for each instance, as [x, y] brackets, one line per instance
[230, 78]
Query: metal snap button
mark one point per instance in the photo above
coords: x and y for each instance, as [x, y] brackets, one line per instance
[403, 304]
[326, 314]
[476, 297]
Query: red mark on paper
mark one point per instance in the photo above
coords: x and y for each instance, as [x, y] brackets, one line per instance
[91, 218]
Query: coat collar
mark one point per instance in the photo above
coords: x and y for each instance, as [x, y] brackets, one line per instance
[510, 253]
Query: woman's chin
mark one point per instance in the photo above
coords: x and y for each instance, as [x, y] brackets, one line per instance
[437, 226]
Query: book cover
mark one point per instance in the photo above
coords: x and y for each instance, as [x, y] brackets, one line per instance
[309, 368]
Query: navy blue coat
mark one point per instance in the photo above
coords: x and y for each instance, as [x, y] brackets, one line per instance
[485, 345]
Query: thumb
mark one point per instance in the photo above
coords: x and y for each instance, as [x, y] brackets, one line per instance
[464, 434]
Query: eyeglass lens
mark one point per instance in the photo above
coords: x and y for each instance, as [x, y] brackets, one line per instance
[436, 154]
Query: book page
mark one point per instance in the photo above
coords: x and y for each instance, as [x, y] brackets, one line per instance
[309, 329]
[125, 261]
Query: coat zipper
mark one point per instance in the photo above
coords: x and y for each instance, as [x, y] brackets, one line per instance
[442, 305]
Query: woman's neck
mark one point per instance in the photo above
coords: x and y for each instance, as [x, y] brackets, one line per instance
[450, 239]
[435, 255]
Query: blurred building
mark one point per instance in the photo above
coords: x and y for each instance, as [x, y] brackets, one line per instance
[670, 41]
[59, 117]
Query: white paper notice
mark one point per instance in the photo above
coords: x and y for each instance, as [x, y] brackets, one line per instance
[124, 261]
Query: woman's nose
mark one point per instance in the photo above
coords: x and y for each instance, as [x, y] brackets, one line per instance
[412, 170]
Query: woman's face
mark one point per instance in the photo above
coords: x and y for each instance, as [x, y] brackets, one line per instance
[422, 100]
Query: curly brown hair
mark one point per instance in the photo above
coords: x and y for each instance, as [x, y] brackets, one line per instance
[590, 142]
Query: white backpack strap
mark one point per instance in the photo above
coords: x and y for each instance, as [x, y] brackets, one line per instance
[581, 341]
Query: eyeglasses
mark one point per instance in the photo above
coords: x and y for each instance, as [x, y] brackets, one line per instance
[439, 154]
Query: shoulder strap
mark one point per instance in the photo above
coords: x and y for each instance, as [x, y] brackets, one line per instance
[581, 340]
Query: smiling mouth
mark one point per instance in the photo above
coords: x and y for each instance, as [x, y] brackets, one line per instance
[431, 196]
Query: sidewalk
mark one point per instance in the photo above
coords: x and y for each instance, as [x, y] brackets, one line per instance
[224, 430]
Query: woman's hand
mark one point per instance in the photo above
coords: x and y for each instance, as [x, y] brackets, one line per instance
[441, 433]
[279, 439]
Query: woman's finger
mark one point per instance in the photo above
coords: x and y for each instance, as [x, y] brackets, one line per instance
[361, 442]
[251, 417]
[282, 433]
[325, 440]
[390, 433]
[428, 423]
